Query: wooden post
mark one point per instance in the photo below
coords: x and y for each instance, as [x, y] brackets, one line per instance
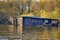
[19, 25]
[11, 26]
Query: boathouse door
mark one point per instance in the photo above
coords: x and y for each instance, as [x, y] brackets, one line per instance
[15, 23]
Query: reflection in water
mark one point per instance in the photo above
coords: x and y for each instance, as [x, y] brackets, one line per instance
[10, 32]
[39, 33]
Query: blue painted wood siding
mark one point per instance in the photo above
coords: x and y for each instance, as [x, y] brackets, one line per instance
[34, 21]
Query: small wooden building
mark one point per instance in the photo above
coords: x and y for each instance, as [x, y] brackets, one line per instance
[16, 24]
[35, 21]
[19, 22]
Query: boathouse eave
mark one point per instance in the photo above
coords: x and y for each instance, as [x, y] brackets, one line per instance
[38, 17]
[35, 17]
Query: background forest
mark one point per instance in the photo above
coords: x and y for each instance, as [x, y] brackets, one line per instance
[39, 8]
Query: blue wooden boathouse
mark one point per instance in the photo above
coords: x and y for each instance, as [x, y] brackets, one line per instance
[31, 21]
[36, 21]
[21, 22]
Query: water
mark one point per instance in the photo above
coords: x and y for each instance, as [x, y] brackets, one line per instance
[3, 39]
[40, 33]
[9, 32]
[29, 33]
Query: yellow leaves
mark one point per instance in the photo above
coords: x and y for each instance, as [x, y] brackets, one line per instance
[45, 14]
[27, 14]
[44, 8]
[55, 13]
[52, 14]
[42, 1]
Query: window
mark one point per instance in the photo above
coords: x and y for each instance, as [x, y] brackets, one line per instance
[46, 21]
[54, 21]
